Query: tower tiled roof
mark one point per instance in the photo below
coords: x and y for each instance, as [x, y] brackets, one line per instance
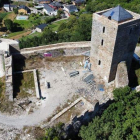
[118, 14]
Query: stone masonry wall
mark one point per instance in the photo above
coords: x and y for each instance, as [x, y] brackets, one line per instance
[126, 40]
[112, 43]
[102, 45]
[60, 49]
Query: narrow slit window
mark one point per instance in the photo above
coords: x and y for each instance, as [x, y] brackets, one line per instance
[99, 62]
[102, 42]
[103, 29]
[130, 31]
[109, 17]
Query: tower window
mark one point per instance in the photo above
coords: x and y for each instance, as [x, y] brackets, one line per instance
[99, 62]
[109, 17]
[102, 42]
[130, 31]
[103, 29]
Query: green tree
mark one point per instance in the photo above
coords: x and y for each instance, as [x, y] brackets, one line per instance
[8, 24]
[15, 10]
[59, 12]
[55, 133]
[48, 36]
[1, 22]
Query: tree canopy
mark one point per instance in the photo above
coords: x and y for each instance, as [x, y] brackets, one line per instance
[97, 5]
[8, 24]
[121, 120]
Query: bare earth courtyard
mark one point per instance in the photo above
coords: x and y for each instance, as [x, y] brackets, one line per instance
[62, 92]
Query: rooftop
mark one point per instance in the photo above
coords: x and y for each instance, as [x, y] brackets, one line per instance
[41, 26]
[6, 5]
[79, 1]
[24, 7]
[56, 4]
[48, 8]
[71, 8]
[118, 14]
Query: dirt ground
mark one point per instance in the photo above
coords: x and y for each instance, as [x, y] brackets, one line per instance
[71, 113]
[61, 92]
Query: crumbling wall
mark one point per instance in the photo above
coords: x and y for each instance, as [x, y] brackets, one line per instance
[9, 77]
[2, 71]
[121, 79]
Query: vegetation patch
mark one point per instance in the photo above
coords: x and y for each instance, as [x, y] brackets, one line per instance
[2, 87]
[3, 14]
[18, 35]
[55, 25]
[24, 23]
[10, 15]
[37, 34]
[5, 105]
[24, 85]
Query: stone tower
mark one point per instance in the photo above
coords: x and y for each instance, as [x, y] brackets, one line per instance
[115, 33]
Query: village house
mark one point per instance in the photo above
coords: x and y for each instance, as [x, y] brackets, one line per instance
[39, 7]
[8, 7]
[70, 8]
[55, 5]
[78, 2]
[12, 7]
[49, 10]
[24, 9]
[40, 27]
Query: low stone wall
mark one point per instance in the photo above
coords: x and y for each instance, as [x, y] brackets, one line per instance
[60, 49]
[35, 80]
[89, 106]
[36, 84]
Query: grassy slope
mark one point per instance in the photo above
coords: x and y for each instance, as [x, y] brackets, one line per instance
[24, 23]
[2, 15]
[55, 25]
[31, 36]
[10, 15]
